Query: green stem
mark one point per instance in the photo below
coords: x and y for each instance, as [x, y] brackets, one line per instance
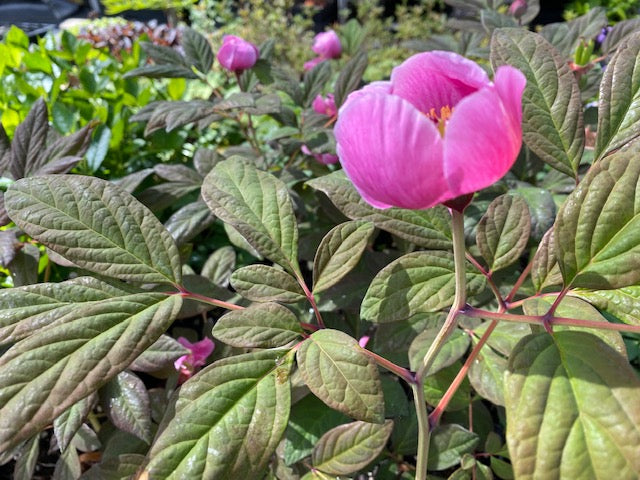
[423, 430]
[450, 324]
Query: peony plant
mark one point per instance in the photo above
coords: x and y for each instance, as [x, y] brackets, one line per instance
[453, 295]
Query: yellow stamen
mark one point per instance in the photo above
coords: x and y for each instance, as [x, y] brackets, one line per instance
[442, 118]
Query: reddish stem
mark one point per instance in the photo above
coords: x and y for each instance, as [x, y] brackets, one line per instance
[204, 299]
[519, 282]
[401, 372]
[540, 319]
[435, 415]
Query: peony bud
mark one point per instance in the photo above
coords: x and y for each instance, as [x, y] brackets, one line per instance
[236, 54]
[327, 45]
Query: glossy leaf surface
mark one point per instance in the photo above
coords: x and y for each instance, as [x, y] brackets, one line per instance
[228, 420]
[573, 409]
[337, 371]
[96, 225]
[552, 124]
[258, 206]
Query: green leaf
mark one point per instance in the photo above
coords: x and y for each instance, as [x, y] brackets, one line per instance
[486, 375]
[619, 102]
[453, 349]
[262, 283]
[623, 303]
[228, 419]
[436, 385]
[619, 32]
[309, 420]
[552, 124]
[27, 460]
[565, 36]
[29, 140]
[545, 271]
[505, 335]
[126, 403]
[68, 466]
[339, 252]
[351, 447]
[197, 49]
[571, 307]
[219, 266]
[161, 354]
[99, 147]
[27, 309]
[350, 77]
[96, 225]
[315, 80]
[258, 206]
[448, 444]
[66, 425]
[266, 325]
[597, 236]
[189, 221]
[503, 232]
[337, 371]
[44, 374]
[426, 228]
[418, 282]
[115, 468]
[573, 409]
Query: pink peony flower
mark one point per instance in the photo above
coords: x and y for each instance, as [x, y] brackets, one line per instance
[236, 54]
[439, 129]
[327, 45]
[518, 8]
[324, 158]
[187, 365]
[324, 106]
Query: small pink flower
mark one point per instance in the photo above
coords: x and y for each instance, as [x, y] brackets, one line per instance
[324, 106]
[324, 158]
[312, 63]
[518, 8]
[187, 365]
[327, 45]
[439, 129]
[236, 54]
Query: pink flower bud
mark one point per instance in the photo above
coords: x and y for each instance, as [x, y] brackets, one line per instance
[327, 45]
[324, 106]
[236, 54]
[323, 158]
[518, 8]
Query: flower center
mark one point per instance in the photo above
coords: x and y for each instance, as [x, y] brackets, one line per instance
[441, 118]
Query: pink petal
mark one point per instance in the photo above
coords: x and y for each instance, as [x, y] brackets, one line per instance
[510, 83]
[436, 79]
[327, 44]
[373, 87]
[201, 350]
[178, 363]
[391, 152]
[237, 54]
[481, 141]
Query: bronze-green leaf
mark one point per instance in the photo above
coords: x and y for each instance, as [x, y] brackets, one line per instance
[573, 409]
